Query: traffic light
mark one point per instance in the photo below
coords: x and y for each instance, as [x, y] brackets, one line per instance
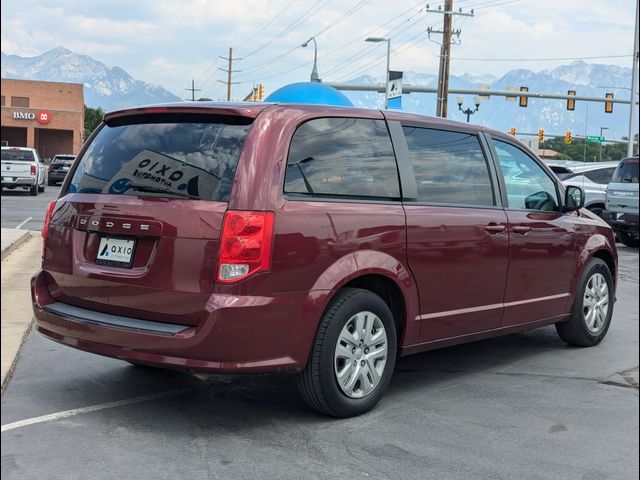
[571, 103]
[567, 137]
[608, 106]
[523, 100]
[260, 92]
[512, 131]
[540, 135]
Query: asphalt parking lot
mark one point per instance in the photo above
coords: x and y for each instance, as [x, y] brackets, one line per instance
[524, 406]
[20, 210]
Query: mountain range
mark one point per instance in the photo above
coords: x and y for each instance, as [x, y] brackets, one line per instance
[551, 115]
[113, 88]
[108, 87]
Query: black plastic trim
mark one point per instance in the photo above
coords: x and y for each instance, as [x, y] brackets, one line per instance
[115, 321]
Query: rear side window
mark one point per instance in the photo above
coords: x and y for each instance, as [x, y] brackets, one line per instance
[20, 155]
[449, 167]
[344, 157]
[602, 175]
[169, 156]
[627, 171]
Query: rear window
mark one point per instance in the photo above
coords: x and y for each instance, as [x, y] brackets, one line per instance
[178, 156]
[63, 159]
[601, 175]
[342, 157]
[627, 171]
[23, 155]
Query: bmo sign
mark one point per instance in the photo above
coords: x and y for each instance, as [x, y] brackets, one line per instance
[42, 116]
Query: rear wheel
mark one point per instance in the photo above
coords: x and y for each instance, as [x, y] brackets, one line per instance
[41, 189]
[50, 182]
[33, 191]
[353, 355]
[598, 210]
[592, 307]
[628, 238]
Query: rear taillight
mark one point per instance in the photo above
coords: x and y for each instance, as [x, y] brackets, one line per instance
[33, 169]
[245, 245]
[45, 227]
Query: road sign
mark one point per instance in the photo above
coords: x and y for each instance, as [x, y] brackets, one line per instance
[594, 139]
[394, 94]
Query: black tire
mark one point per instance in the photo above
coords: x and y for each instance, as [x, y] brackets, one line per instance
[628, 239]
[33, 191]
[597, 210]
[41, 189]
[51, 183]
[574, 331]
[317, 382]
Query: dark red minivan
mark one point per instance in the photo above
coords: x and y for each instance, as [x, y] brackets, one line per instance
[321, 241]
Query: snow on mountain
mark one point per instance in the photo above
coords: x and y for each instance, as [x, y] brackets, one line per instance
[550, 115]
[108, 87]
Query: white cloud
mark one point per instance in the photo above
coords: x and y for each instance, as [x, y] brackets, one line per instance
[169, 42]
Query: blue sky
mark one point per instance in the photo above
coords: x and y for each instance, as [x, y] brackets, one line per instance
[169, 42]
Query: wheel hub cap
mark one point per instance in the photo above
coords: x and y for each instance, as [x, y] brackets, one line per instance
[595, 304]
[360, 355]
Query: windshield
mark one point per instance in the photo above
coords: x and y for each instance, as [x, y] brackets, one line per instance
[627, 171]
[167, 156]
[19, 155]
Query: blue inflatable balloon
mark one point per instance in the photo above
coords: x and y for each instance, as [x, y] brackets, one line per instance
[309, 93]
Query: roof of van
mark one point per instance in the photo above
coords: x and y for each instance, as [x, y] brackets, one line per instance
[253, 109]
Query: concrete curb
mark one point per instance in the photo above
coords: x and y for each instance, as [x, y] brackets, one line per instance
[21, 237]
[9, 373]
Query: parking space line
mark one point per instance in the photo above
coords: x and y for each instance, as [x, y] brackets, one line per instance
[21, 224]
[92, 408]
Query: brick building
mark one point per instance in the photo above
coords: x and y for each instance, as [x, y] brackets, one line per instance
[47, 116]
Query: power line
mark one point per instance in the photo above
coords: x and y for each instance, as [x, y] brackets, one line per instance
[266, 25]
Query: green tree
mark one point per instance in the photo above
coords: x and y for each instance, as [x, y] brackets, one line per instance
[92, 118]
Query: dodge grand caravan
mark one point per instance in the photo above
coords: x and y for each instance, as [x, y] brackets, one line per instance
[320, 241]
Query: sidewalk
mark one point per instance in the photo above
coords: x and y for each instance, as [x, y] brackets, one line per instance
[17, 315]
[12, 238]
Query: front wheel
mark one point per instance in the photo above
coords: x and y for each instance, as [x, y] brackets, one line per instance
[353, 355]
[592, 307]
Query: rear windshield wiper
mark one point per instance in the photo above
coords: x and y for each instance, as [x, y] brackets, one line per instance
[153, 189]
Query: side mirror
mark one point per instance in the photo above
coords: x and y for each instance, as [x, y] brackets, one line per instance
[573, 198]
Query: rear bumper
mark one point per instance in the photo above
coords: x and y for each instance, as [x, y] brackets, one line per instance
[242, 334]
[625, 222]
[19, 181]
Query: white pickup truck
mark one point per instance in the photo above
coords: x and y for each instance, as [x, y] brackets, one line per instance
[22, 168]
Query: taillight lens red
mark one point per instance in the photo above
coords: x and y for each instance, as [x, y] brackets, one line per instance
[245, 245]
[33, 169]
[45, 227]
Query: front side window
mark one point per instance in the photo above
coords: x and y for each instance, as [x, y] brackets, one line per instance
[449, 167]
[168, 155]
[600, 175]
[343, 157]
[528, 185]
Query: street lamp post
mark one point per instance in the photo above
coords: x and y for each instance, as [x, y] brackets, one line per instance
[468, 112]
[314, 72]
[601, 129]
[386, 88]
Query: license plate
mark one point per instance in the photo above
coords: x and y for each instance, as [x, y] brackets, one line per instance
[116, 252]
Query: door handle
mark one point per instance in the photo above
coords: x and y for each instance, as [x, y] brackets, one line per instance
[493, 228]
[522, 230]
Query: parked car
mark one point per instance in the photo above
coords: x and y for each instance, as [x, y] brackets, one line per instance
[622, 201]
[592, 177]
[320, 241]
[22, 168]
[58, 168]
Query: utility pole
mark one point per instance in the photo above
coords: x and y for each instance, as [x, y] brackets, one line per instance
[229, 71]
[445, 53]
[634, 86]
[193, 90]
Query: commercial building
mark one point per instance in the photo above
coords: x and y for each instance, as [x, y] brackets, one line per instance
[47, 116]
